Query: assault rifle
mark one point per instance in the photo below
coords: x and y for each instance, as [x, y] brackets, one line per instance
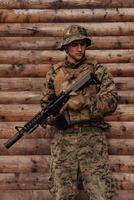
[53, 108]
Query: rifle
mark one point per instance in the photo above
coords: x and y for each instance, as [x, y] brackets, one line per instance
[53, 108]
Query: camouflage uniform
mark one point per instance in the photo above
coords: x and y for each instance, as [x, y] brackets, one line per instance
[82, 148]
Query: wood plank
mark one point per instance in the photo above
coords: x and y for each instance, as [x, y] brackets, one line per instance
[41, 163]
[52, 56]
[45, 195]
[42, 147]
[36, 181]
[56, 29]
[67, 15]
[39, 4]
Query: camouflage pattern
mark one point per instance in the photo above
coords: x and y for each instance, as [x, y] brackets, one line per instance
[100, 99]
[84, 150]
[75, 32]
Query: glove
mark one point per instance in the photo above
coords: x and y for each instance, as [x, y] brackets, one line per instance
[51, 120]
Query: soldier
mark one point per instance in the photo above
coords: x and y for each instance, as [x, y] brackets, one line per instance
[82, 147]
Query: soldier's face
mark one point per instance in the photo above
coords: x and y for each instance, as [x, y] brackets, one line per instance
[76, 50]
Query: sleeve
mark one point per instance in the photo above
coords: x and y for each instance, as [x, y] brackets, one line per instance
[105, 101]
[48, 89]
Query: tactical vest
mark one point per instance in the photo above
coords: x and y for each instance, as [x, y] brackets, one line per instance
[66, 76]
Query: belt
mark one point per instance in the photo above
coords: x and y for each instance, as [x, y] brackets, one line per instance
[77, 128]
[87, 126]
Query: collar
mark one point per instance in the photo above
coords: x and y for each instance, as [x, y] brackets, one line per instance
[74, 65]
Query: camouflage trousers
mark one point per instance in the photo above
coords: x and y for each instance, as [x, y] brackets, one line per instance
[82, 150]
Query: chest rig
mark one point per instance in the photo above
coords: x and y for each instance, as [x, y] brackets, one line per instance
[67, 75]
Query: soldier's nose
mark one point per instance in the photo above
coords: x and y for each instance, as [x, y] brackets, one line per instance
[79, 47]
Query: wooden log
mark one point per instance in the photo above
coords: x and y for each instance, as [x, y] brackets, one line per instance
[20, 97]
[53, 43]
[56, 29]
[119, 130]
[51, 57]
[67, 15]
[34, 43]
[25, 84]
[27, 194]
[121, 115]
[45, 195]
[125, 180]
[21, 70]
[112, 42]
[28, 84]
[39, 70]
[121, 195]
[27, 147]
[124, 195]
[25, 112]
[33, 97]
[126, 97]
[7, 129]
[122, 163]
[124, 83]
[42, 147]
[33, 181]
[25, 164]
[121, 69]
[52, 4]
[121, 146]
[41, 164]
[36, 181]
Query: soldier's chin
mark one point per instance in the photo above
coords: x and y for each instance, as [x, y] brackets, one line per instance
[78, 58]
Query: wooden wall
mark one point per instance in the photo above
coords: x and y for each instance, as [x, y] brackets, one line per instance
[30, 32]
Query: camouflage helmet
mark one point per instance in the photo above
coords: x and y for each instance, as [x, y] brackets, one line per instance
[75, 32]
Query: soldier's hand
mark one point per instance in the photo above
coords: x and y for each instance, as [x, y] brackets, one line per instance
[51, 120]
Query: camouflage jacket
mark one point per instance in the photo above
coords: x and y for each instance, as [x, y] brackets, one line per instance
[103, 98]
